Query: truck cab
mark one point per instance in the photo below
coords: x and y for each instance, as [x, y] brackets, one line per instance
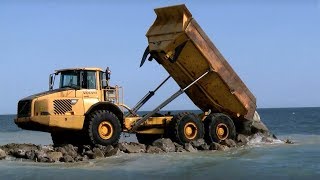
[72, 94]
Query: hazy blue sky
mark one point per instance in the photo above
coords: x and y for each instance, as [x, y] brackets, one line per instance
[274, 46]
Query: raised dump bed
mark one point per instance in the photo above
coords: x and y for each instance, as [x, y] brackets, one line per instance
[179, 44]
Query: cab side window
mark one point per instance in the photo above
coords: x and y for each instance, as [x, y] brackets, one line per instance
[90, 80]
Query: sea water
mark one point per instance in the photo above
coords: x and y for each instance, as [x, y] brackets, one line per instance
[258, 160]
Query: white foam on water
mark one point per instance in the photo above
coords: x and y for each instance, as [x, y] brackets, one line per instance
[260, 139]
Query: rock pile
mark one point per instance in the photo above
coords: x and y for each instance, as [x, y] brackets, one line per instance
[69, 153]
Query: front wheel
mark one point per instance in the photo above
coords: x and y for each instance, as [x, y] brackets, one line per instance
[219, 127]
[104, 128]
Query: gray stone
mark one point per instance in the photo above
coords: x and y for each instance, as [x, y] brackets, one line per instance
[114, 152]
[10, 148]
[43, 159]
[55, 156]
[62, 150]
[30, 155]
[188, 147]
[288, 141]
[85, 157]
[108, 149]
[19, 153]
[71, 150]
[223, 148]
[79, 158]
[267, 139]
[121, 146]
[217, 146]
[179, 147]
[105, 149]
[165, 144]
[41, 156]
[229, 143]
[89, 153]
[132, 147]
[154, 150]
[214, 146]
[200, 144]
[204, 147]
[242, 138]
[197, 143]
[3, 154]
[67, 158]
[97, 153]
[47, 148]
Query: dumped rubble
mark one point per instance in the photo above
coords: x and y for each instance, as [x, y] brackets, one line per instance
[69, 153]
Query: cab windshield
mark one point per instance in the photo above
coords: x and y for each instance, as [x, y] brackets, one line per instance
[70, 79]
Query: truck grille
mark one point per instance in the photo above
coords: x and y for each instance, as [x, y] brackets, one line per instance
[62, 106]
[24, 108]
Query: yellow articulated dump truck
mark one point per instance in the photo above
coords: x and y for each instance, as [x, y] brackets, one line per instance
[85, 109]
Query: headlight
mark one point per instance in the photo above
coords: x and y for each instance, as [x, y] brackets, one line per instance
[74, 101]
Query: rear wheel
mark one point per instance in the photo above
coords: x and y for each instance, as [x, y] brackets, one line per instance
[104, 128]
[185, 127]
[219, 127]
[147, 138]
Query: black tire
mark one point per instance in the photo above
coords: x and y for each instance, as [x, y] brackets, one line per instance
[102, 119]
[148, 138]
[180, 126]
[58, 139]
[219, 123]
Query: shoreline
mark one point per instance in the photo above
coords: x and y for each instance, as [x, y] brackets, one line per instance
[70, 153]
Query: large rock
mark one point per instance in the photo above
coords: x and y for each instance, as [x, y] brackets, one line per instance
[132, 147]
[26, 147]
[200, 144]
[89, 154]
[105, 149]
[41, 156]
[55, 156]
[67, 158]
[229, 143]
[154, 150]
[242, 139]
[179, 147]
[97, 153]
[19, 150]
[188, 147]
[288, 141]
[217, 146]
[165, 144]
[68, 149]
[18, 153]
[31, 155]
[3, 154]
[113, 152]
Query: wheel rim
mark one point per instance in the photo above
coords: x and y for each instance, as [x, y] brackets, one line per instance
[190, 130]
[105, 130]
[222, 131]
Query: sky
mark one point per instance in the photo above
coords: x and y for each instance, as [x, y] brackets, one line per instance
[273, 46]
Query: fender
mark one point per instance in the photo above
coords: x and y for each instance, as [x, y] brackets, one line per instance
[107, 106]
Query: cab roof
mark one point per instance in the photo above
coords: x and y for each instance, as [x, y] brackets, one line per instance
[78, 69]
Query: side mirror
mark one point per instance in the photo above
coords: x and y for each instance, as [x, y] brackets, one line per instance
[108, 74]
[51, 79]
